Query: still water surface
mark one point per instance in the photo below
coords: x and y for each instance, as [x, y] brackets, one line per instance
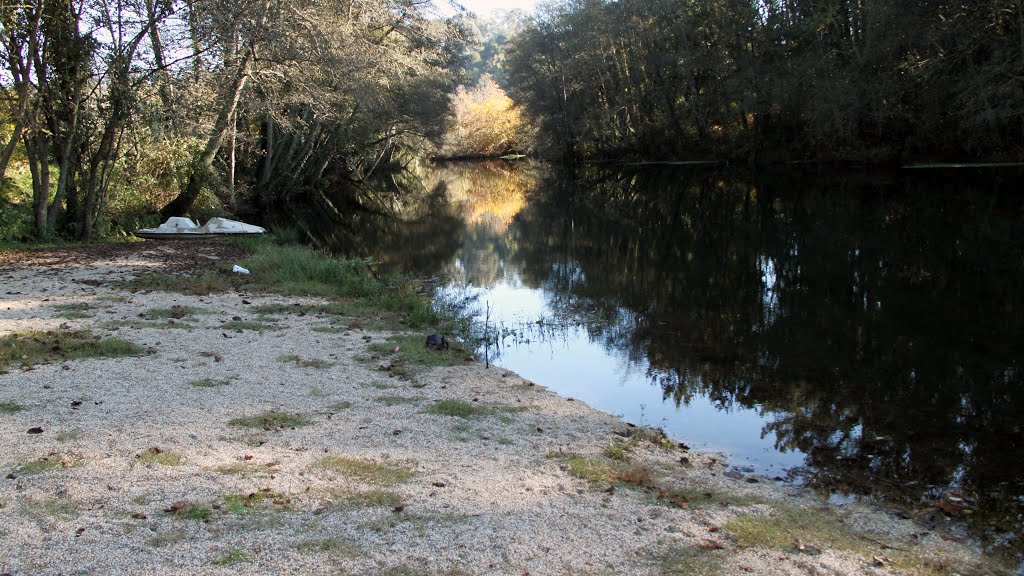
[860, 332]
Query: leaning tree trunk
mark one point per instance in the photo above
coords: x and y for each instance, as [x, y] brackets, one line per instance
[203, 167]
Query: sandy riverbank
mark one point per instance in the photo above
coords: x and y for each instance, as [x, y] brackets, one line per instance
[144, 464]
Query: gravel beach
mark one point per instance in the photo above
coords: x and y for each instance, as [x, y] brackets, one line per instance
[242, 441]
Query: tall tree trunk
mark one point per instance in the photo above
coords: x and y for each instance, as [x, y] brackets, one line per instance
[37, 148]
[203, 166]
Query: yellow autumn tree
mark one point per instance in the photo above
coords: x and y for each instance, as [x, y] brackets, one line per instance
[485, 122]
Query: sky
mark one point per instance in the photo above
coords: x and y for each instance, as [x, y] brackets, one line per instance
[485, 7]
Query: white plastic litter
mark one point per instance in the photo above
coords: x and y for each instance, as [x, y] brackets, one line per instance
[239, 269]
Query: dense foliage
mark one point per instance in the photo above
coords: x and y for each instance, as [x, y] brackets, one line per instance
[169, 100]
[485, 122]
[774, 80]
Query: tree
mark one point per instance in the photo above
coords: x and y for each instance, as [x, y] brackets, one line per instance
[485, 122]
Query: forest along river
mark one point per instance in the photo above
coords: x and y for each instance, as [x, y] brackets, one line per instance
[860, 332]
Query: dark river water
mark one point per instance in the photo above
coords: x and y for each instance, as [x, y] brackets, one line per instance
[858, 332]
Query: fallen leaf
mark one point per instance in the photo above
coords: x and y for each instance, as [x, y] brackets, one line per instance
[177, 506]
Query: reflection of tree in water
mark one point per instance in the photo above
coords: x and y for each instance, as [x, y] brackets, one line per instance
[880, 323]
[420, 219]
[491, 195]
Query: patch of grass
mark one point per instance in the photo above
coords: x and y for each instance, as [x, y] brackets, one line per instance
[459, 409]
[46, 464]
[233, 556]
[157, 456]
[395, 400]
[202, 285]
[112, 298]
[242, 469]
[787, 524]
[367, 498]
[53, 507]
[28, 348]
[190, 511]
[271, 420]
[174, 312]
[413, 356]
[617, 450]
[243, 325]
[295, 269]
[333, 546]
[75, 310]
[168, 538]
[11, 408]
[210, 383]
[340, 406]
[329, 309]
[366, 471]
[652, 435]
[463, 433]
[144, 324]
[592, 470]
[689, 561]
[244, 503]
[303, 363]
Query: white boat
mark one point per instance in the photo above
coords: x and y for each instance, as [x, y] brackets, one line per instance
[177, 227]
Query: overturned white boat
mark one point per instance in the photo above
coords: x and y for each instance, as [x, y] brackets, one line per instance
[177, 227]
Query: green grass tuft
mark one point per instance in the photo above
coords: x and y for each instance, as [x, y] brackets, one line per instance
[395, 400]
[245, 503]
[367, 498]
[28, 348]
[301, 270]
[303, 363]
[333, 546]
[168, 538]
[11, 408]
[689, 561]
[459, 409]
[40, 466]
[243, 325]
[75, 310]
[155, 456]
[202, 285]
[271, 420]
[366, 471]
[232, 557]
[174, 312]
[590, 469]
[54, 507]
[618, 450]
[190, 511]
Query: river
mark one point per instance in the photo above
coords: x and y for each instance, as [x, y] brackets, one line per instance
[861, 332]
